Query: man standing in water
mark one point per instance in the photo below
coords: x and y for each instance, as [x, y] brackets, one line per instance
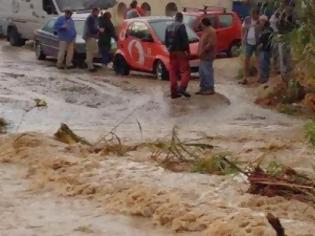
[207, 54]
[66, 32]
[177, 43]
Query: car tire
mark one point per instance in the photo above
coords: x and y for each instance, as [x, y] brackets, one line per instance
[160, 71]
[40, 55]
[234, 50]
[14, 38]
[80, 64]
[121, 67]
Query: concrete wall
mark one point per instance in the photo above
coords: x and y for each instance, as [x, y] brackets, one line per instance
[161, 7]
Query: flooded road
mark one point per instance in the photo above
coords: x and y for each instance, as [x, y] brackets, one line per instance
[94, 104]
[136, 108]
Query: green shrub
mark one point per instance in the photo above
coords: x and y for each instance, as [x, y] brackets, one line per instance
[215, 164]
[310, 132]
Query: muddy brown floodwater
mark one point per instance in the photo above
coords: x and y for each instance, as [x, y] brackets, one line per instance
[88, 194]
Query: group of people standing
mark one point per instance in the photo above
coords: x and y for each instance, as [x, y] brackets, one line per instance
[264, 35]
[177, 43]
[98, 33]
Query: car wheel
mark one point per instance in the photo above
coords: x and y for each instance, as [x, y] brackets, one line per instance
[234, 50]
[40, 55]
[160, 71]
[15, 38]
[121, 67]
[80, 64]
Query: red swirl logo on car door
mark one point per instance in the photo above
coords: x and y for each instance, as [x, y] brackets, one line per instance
[136, 51]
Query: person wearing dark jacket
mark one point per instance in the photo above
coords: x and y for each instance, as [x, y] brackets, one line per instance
[90, 35]
[286, 23]
[177, 43]
[105, 38]
[265, 49]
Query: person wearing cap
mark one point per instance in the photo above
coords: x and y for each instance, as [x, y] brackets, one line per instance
[264, 45]
[90, 35]
[64, 28]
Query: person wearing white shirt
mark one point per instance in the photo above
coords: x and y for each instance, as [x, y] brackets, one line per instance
[250, 37]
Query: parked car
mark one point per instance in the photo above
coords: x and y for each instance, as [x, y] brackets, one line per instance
[141, 47]
[227, 24]
[19, 18]
[47, 44]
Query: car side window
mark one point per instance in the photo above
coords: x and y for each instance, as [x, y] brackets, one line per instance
[140, 31]
[49, 27]
[212, 20]
[225, 21]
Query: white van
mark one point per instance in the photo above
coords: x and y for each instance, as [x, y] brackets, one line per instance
[20, 18]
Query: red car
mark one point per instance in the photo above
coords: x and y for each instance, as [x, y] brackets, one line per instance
[227, 24]
[141, 47]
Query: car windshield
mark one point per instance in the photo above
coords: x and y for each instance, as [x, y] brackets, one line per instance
[79, 26]
[190, 20]
[160, 27]
[77, 5]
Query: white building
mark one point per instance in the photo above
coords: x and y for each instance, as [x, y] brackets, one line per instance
[165, 7]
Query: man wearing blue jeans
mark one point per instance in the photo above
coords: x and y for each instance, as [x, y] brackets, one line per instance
[287, 22]
[250, 37]
[207, 54]
[265, 48]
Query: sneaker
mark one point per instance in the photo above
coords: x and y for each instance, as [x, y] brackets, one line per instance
[184, 93]
[206, 93]
[70, 67]
[93, 70]
[110, 66]
[243, 82]
[262, 81]
[176, 95]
